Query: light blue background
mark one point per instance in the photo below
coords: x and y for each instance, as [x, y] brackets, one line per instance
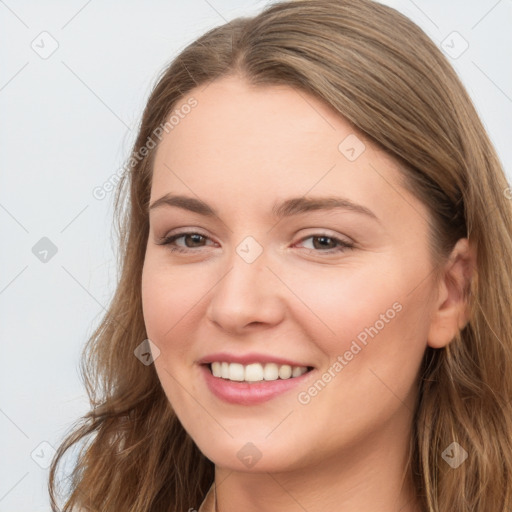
[67, 124]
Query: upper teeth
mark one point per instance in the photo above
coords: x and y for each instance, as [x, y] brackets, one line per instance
[255, 371]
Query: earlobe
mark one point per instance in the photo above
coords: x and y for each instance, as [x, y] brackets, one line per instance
[451, 309]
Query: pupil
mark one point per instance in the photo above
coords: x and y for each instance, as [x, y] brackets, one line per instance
[322, 238]
[196, 238]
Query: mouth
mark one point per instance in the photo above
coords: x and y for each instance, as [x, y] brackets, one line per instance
[255, 372]
[253, 383]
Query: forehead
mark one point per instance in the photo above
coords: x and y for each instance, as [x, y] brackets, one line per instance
[237, 118]
[245, 146]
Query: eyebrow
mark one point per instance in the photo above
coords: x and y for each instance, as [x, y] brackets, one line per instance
[287, 208]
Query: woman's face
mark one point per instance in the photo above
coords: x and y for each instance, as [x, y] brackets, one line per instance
[293, 243]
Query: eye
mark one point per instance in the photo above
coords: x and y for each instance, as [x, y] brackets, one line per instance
[191, 240]
[327, 244]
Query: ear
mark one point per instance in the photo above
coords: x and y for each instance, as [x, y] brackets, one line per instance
[451, 308]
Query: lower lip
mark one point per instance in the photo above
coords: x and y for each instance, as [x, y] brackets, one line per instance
[245, 393]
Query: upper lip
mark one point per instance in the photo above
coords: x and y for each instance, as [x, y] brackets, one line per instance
[249, 358]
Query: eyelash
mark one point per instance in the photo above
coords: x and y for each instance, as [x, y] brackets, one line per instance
[342, 245]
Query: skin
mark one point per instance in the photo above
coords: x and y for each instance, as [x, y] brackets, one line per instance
[241, 150]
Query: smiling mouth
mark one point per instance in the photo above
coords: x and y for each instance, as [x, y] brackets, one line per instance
[256, 372]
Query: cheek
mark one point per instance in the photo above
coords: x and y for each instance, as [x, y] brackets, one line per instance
[169, 297]
[366, 316]
[342, 302]
[372, 333]
[169, 302]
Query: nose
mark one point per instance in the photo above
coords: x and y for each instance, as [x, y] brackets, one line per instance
[247, 297]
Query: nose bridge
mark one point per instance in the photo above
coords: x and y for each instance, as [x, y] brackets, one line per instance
[248, 292]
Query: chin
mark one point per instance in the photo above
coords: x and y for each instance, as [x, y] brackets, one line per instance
[252, 457]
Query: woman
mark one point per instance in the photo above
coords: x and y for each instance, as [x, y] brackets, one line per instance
[313, 309]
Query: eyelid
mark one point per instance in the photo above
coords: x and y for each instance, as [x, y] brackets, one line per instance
[186, 231]
[318, 232]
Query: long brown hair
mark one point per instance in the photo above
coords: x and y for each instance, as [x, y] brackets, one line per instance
[386, 77]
